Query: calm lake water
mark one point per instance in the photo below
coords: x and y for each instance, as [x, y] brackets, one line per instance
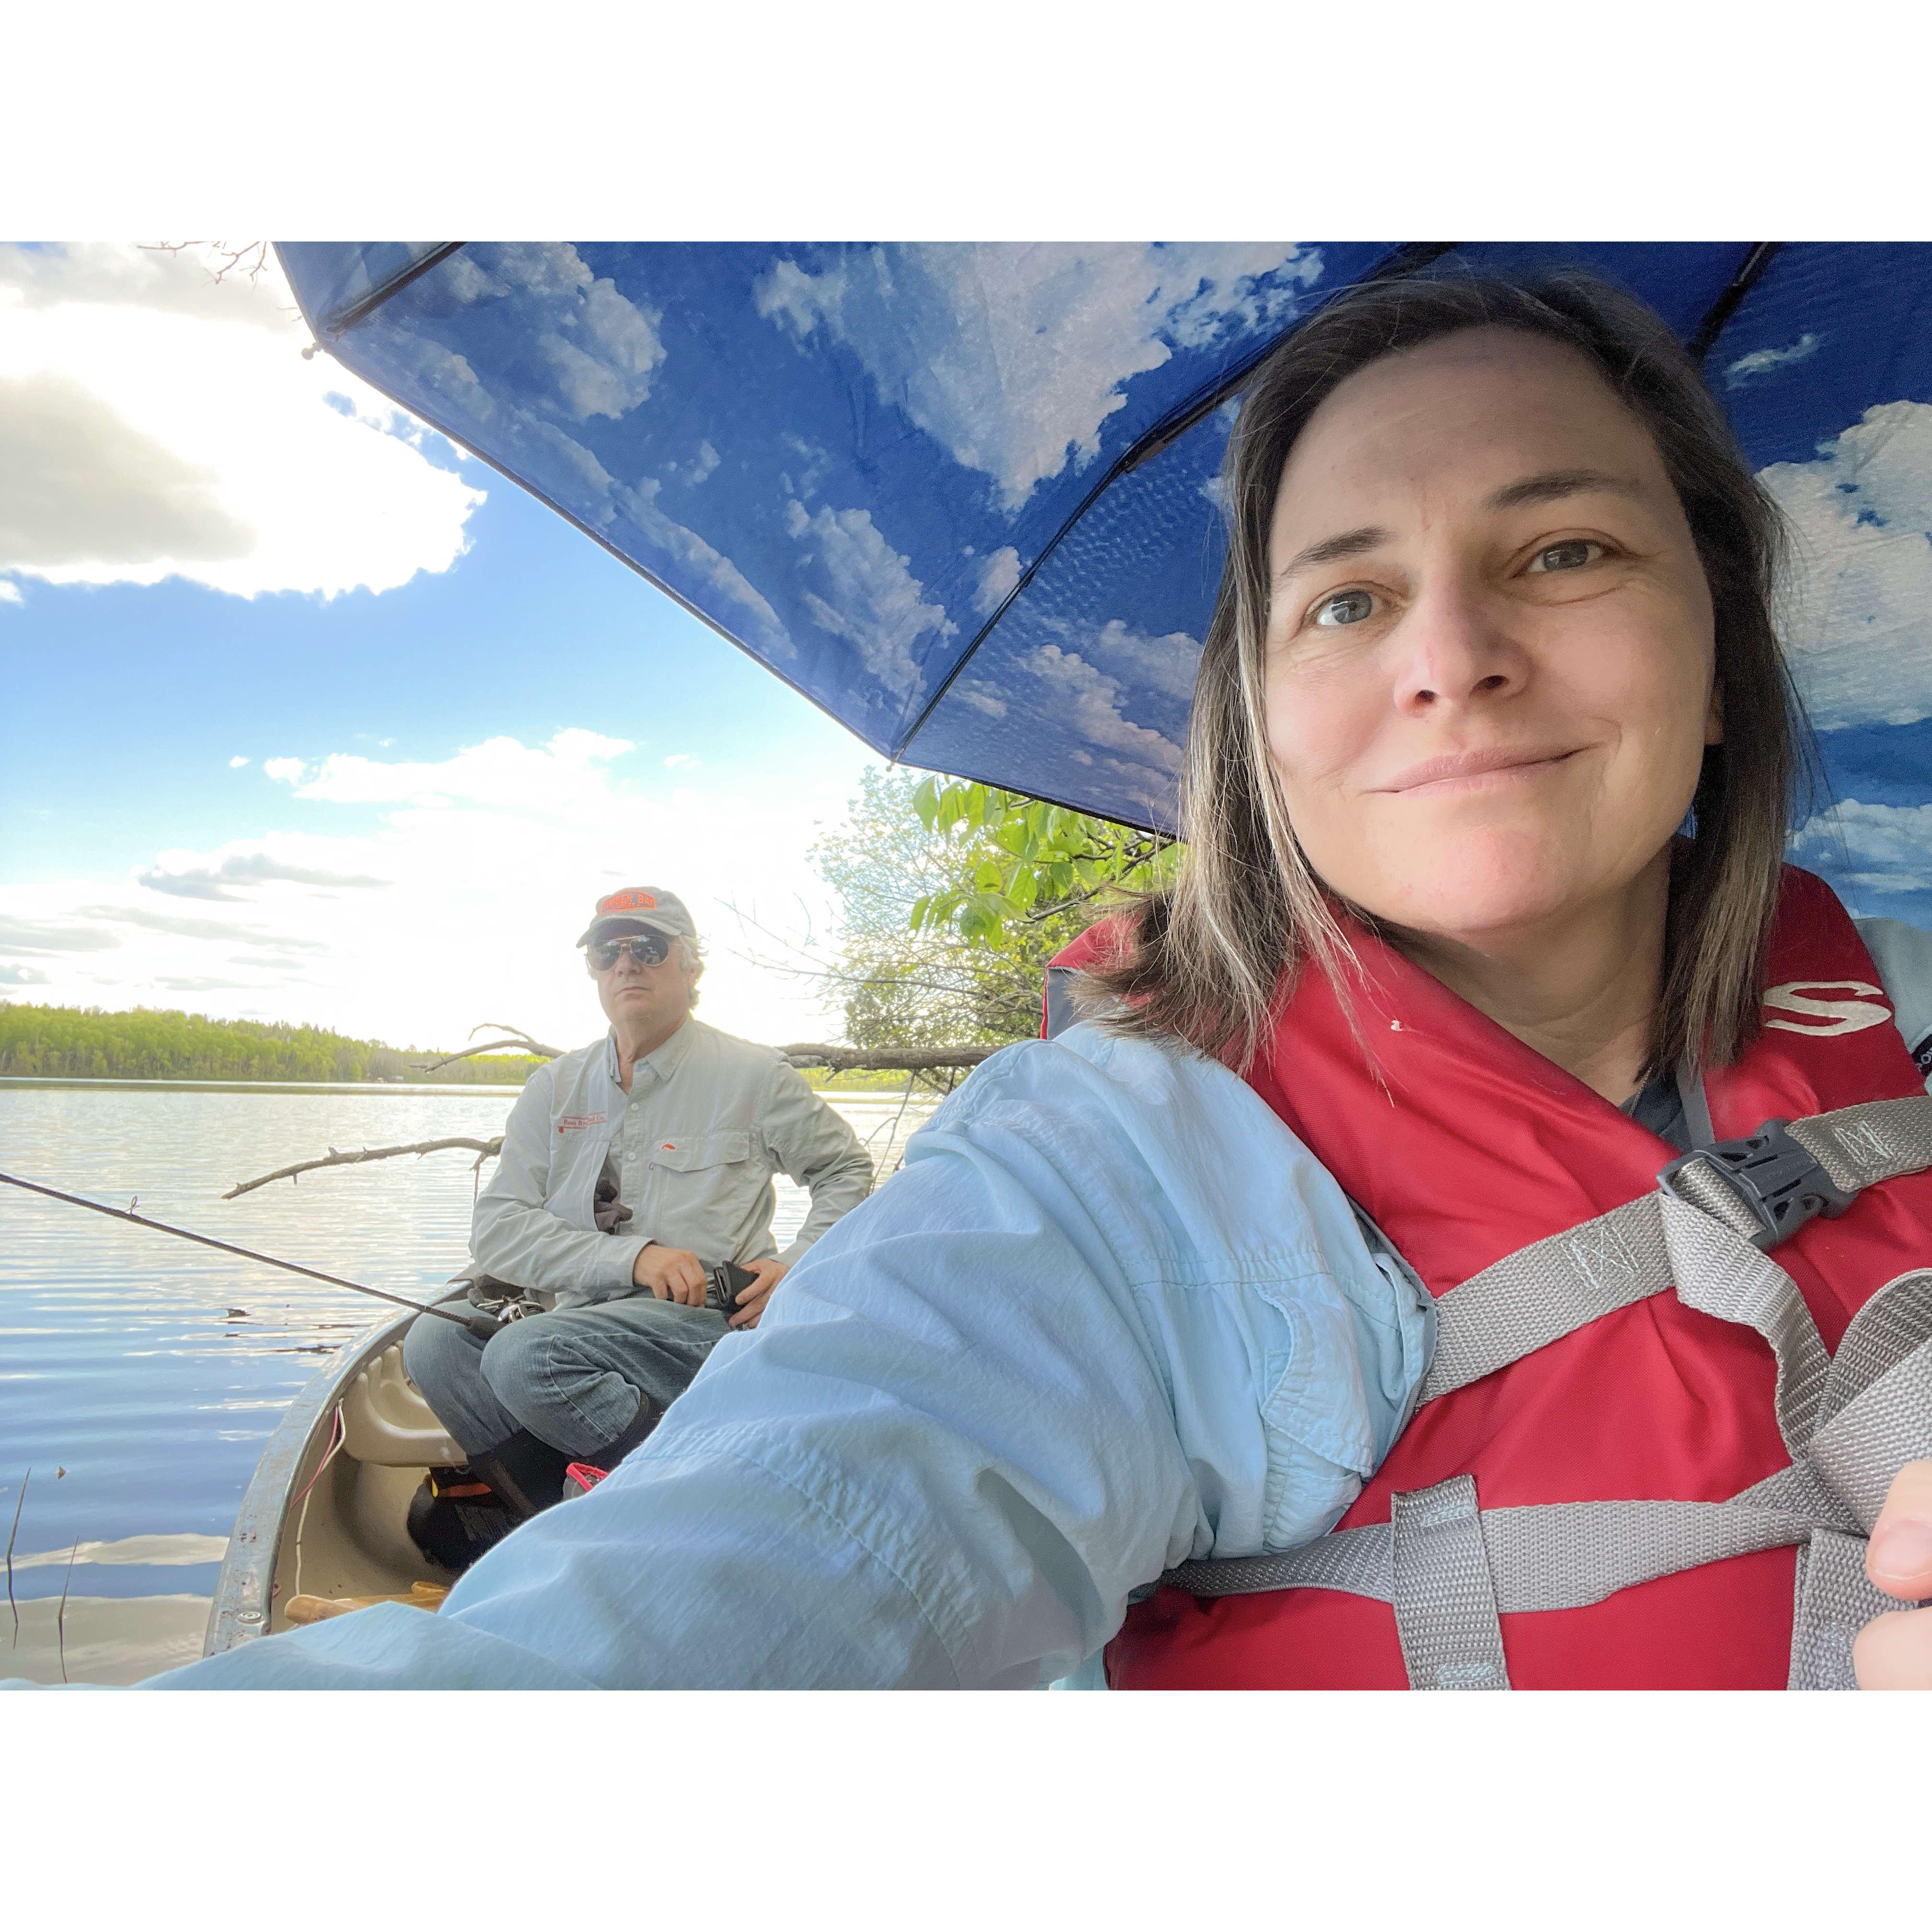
[140, 1375]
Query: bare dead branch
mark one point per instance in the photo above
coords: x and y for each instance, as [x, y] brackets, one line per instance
[517, 1041]
[251, 259]
[483, 1150]
[885, 1060]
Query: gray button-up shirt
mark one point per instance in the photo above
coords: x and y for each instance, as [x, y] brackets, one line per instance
[692, 1147]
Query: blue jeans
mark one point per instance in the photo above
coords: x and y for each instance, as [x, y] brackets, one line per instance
[573, 1377]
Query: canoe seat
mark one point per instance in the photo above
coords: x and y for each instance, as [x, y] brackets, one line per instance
[386, 1421]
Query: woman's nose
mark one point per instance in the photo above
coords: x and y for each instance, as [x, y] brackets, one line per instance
[1455, 650]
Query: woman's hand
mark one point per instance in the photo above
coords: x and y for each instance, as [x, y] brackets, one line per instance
[752, 1301]
[672, 1274]
[1893, 1652]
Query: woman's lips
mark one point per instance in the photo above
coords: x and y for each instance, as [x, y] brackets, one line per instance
[1472, 771]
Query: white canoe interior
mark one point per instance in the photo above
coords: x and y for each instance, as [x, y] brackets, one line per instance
[324, 1516]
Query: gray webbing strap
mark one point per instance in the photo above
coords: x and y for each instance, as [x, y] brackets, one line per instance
[1882, 1334]
[1863, 1446]
[1557, 1285]
[1547, 1291]
[1445, 1605]
[1835, 1601]
[1537, 1556]
[1878, 1140]
[1719, 1274]
[1357, 1561]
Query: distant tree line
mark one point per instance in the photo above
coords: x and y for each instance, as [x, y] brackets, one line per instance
[85, 1042]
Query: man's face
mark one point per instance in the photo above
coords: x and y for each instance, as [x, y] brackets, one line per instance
[640, 996]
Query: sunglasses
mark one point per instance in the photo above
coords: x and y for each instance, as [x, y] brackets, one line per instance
[647, 949]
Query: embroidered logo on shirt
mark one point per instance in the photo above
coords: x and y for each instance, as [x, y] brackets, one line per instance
[1827, 1016]
[667, 1147]
[575, 1123]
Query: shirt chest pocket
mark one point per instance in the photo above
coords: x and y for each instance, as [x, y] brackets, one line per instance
[697, 1186]
[697, 1154]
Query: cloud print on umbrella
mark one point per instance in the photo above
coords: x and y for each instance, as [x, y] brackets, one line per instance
[1859, 626]
[1058, 330]
[1869, 850]
[858, 588]
[597, 349]
[573, 350]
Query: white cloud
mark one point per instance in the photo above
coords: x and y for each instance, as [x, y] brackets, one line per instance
[25, 935]
[10, 592]
[225, 930]
[153, 424]
[234, 870]
[1055, 332]
[678, 758]
[1858, 620]
[505, 845]
[174, 282]
[869, 597]
[999, 577]
[235, 764]
[1873, 848]
[556, 780]
[1763, 362]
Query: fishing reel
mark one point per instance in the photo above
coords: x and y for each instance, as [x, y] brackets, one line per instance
[725, 1281]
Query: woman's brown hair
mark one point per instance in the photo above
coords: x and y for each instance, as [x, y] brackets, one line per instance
[1212, 960]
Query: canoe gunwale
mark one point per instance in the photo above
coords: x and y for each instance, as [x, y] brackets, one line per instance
[244, 1591]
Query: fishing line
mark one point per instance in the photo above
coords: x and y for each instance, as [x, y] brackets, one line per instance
[479, 1324]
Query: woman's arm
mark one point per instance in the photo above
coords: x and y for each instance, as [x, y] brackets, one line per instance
[1111, 1315]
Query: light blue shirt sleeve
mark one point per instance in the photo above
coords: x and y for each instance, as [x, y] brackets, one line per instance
[1111, 1315]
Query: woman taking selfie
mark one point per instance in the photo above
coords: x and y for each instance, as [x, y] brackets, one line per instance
[1313, 1315]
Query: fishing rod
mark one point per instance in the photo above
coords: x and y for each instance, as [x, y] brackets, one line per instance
[479, 1324]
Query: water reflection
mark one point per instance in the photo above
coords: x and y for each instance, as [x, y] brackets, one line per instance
[149, 1372]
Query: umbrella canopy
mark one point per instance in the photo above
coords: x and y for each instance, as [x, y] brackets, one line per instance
[963, 496]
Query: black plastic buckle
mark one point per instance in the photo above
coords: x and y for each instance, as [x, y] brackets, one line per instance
[1778, 1182]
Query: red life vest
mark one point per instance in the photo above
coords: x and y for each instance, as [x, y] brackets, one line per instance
[1471, 1146]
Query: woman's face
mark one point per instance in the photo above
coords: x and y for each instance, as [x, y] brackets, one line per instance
[1489, 651]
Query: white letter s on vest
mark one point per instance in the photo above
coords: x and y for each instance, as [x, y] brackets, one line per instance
[1828, 1016]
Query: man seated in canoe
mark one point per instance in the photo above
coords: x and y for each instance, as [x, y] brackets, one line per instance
[629, 1169]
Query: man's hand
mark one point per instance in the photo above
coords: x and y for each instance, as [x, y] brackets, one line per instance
[671, 1274]
[1893, 1652]
[752, 1301]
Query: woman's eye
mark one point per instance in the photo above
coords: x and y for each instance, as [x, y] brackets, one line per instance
[1570, 556]
[1348, 606]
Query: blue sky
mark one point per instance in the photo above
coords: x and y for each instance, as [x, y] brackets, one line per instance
[513, 724]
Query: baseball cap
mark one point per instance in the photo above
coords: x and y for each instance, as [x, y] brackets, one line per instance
[647, 906]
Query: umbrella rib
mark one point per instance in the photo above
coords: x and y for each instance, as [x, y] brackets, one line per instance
[1409, 260]
[366, 306]
[417, 408]
[1757, 259]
